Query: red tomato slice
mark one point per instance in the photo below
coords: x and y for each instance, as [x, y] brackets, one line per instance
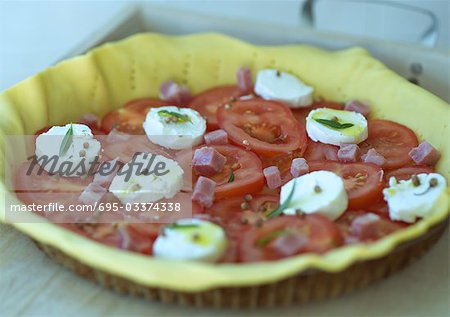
[363, 182]
[207, 102]
[265, 127]
[287, 236]
[130, 118]
[302, 113]
[392, 140]
[247, 170]
[405, 173]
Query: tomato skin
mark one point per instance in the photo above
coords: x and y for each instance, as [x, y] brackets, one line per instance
[130, 118]
[265, 127]
[406, 172]
[207, 102]
[248, 176]
[319, 233]
[392, 140]
[363, 190]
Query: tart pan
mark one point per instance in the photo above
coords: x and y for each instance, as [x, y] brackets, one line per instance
[109, 76]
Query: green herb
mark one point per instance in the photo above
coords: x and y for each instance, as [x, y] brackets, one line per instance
[182, 226]
[67, 141]
[263, 241]
[283, 206]
[334, 124]
[173, 116]
[231, 178]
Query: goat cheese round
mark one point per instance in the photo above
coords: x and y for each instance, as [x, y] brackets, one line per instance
[316, 192]
[272, 84]
[416, 197]
[191, 239]
[67, 153]
[142, 181]
[174, 128]
[336, 127]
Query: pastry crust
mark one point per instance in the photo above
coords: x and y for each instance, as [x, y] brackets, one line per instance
[112, 74]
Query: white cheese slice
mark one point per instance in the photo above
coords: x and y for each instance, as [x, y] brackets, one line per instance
[191, 239]
[81, 152]
[137, 182]
[272, 84]
[326, 133]
[174, 128]
[316, 192]
[408, 199]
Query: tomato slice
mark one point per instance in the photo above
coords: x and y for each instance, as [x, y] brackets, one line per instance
[405, 173]
[265, 127]
[285, 236]
[207, 102]
[246, 168]
[301, 113]
[130, 118]
[363, 182]
[392, 140]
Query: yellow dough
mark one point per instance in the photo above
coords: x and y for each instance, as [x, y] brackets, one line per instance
[112, 74]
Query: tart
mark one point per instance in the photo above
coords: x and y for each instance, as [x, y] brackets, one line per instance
[110, 76]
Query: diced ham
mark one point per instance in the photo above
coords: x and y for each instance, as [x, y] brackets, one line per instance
[204, 191]
[289, 244]
[172, 92]
[208, 161]
[366, 226]
[330, 152]
[217, 137]
[115, 136]
[91, 120]
[92, 194]
[106, 172]
[348, 153]
[299, 167]
[244, 80]
[372, 156]
[273, 177]
[425, 154]
[357, 106]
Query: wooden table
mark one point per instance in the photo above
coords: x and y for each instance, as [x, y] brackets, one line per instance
[32, 285]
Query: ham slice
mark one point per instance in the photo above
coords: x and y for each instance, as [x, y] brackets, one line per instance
[115, 136]
[204, 191]
[357, 106]
[425, 154]
[244, 80]
[299, 167]
[172, 92]
[372, 156]
[366, 226]
[273, 177]
[92, 194]
[91, 120]
[106, 172]
[217, 137]
[208, 161]
[348, 153]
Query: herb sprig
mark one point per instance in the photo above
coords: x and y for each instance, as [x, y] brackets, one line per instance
[66, 142]
[283, 206]
[175, 117]
[231, 178]
[182, 226]
[334, 124]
